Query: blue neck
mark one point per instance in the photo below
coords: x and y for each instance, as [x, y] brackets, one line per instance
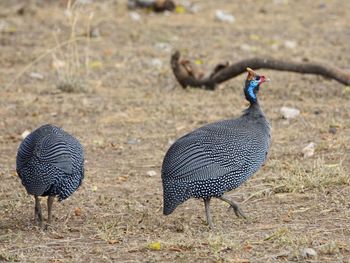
[250, 95]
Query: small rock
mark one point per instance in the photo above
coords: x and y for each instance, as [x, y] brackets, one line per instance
[289, 113]
[3, 25]
[332, 130]
[84, 2]
[95, 32]
[308, 253]
[157, 63]
[309, 150]
[223, 16]
[166, 47]
[187, 6]
[135, 16]
[25, 134]
[134, 141]
[186, 3]
[36, 75]
[246, 47]
[280, 2]
[99, 141]
[290, 44]
[151, 173]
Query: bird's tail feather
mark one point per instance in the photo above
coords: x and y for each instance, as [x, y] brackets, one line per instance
[174, 194]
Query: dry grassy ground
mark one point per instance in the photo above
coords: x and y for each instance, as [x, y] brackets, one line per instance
[130, 108]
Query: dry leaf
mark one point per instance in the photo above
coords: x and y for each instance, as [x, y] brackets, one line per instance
[77, 211]
[180, 10]
[154, 246]
[113, 241]
[95, 64]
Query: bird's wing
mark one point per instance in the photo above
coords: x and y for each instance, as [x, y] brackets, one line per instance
[192, 157]
[212, 151]
[234, 148]
[54, 150]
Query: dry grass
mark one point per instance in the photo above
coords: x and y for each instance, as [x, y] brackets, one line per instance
[70, 61]
[134, 108]
[300, 176]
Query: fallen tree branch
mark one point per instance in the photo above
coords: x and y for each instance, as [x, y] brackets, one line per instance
[187, 74]
[155, 5]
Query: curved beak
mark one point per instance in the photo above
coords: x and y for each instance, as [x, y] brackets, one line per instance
[263, 79]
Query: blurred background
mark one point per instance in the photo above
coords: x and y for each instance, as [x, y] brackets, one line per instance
[101, 70]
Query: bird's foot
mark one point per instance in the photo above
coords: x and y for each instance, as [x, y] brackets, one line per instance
[211, 225]
[238, 211]
[38, 221]
[47, 226]
[208, 214]
[38, 217]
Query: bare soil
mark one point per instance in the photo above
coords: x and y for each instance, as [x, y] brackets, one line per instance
[127, 108]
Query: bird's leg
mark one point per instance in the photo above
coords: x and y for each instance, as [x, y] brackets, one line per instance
[49, 208]
[38, 218]
[207, 212]
[235, 207]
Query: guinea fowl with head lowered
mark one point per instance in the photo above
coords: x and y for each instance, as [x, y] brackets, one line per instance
[50, 162]
[218, 157]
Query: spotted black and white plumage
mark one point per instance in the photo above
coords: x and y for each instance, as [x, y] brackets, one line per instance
[50, 162]
[218, 157]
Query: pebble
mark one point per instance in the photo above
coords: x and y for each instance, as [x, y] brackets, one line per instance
[309, 150]
[84, 2]
[224, 16]
[157, 63]
[36, 75]
[135, 16]
[308, 253]
[246, 47]
[290, 44]
[332, 130]
[163, 46]
[134, 141]
[95, 32]
[3, 25]
[151, 173]
[289, 113]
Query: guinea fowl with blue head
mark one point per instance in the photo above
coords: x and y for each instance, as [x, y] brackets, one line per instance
[218, 157]
[50, 162]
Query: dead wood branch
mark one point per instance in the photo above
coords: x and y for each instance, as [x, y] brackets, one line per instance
[155, 5]
[187, 75]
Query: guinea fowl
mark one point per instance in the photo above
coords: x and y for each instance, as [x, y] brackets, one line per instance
[217, 157]
[50, 162]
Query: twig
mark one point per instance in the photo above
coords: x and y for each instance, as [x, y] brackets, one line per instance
[185, 74]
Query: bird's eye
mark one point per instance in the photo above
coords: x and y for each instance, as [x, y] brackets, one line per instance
[257, 78]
